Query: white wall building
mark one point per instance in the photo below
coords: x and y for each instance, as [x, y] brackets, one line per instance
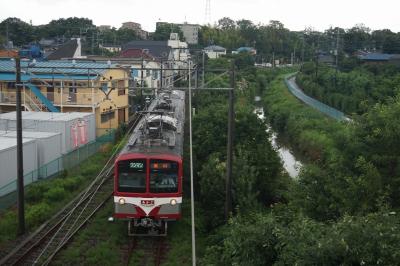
[180, 51]
[190, 32]
[214, 51]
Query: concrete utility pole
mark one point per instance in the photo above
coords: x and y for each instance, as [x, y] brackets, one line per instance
[337, 57]
[302, 51]
[294, 54]
[191, 170]
[204, 67]
[229, 158]
[20, 163]
[273, 59]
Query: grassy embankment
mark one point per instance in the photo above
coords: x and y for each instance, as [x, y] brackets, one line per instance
[45, 198]
[308, 131]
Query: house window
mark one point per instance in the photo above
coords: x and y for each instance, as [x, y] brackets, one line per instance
[121, 87]
[11, 85]
[106, 117]
[155, 75]
[121, 91]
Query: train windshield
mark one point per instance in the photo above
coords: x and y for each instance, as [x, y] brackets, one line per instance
[132, 176]
[163, 176]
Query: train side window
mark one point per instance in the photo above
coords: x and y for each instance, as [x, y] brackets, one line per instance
[132, 176]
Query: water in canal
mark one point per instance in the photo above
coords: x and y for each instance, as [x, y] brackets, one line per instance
[291, 165]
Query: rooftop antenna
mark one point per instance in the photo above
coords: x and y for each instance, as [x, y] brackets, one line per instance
[207, 17]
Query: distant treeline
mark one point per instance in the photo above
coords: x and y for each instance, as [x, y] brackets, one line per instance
[272, 41]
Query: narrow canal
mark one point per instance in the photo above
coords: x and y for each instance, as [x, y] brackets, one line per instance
[290, 163]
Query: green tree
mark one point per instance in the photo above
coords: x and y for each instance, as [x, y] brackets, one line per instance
[163, 31]
[68, 27]
[19, 32]
[126, 35]
[357, 38]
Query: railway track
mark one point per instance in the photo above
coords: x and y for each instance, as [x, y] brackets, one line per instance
[146, 251]
[41, 247]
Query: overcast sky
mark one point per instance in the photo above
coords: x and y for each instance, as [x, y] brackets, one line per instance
[294, 14]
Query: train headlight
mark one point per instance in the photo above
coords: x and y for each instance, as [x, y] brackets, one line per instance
[173, 202]
[121, 201]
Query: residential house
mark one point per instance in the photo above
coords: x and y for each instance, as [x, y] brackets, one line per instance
[190, 31]
[214, 51]
[70, 49]
[137, 28]
[104, 27]
[250, 50]
[380, 58]
[158, 54]
[69, 86]
[111, 47]
[180, 50]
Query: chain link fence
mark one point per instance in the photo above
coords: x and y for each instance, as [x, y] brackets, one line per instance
[290, 81]
[8, 195]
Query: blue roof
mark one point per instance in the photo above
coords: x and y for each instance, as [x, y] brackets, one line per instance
[26, 77]
[61, 67]
[245, 49]
[376, 57]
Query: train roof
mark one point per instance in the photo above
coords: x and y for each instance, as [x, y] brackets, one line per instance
[161, 129]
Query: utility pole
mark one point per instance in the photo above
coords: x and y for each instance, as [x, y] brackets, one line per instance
[141, 73]
[161, 74]
[294, 54]
[203, 66]
[337, 57]
[142, 84]
[191, 169]
[302, 52]
[229, 158]
[20, 163]
[273, 59]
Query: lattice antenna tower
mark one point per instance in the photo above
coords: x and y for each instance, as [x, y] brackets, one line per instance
[207, 17]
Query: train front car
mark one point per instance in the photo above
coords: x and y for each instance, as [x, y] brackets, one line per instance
[148, 191]
[148, 172]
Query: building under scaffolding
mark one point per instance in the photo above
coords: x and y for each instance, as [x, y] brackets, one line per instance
[69, 86]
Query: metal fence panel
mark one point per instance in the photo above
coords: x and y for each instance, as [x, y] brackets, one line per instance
[290, 81]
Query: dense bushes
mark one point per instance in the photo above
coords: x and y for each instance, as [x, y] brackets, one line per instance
[282, 237]
[257, 172]
[352, 90]
[342, 210]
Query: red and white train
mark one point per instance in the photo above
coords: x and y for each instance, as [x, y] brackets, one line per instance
[148, 172]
